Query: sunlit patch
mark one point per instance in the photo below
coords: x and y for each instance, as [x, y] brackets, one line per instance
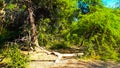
[111, 3]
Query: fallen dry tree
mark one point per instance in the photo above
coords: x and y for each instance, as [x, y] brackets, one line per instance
[59, 55]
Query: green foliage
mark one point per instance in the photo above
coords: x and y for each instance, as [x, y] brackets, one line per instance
[59, 45]
[100, 32]
[3, 36]
[51, 30]
[11, 6]
[17, 60]
[12, 21]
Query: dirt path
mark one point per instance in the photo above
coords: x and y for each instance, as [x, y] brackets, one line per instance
[42, 60]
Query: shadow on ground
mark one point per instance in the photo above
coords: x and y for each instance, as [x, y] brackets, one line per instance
[88, 64]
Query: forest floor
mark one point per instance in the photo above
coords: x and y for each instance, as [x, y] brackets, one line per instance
[40, 59]
[43, 60]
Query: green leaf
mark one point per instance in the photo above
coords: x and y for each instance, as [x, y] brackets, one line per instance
[11, 6]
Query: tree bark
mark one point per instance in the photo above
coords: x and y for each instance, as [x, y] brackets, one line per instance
[34, 39]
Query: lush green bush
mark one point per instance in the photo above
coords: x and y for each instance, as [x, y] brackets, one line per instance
[100, 33]
[17, 60]
[51, 28]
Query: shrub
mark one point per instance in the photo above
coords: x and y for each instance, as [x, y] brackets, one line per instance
[17, 60]
[100, 33]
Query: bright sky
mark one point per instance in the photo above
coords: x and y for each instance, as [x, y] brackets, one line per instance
[111, 3]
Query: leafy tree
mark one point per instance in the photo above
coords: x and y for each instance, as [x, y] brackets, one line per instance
[97, 32]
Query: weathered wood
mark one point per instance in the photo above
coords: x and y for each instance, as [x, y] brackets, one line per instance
[34, 39]
[60, 56]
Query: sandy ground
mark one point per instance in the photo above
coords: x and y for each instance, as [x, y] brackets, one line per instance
[72, 63]
[42, 60]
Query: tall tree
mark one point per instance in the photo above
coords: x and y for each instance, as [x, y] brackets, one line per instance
[34, 39]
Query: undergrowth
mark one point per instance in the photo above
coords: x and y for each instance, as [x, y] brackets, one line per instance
[99, 33]
[16, 59]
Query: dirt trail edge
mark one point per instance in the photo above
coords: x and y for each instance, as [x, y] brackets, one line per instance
[42, 59]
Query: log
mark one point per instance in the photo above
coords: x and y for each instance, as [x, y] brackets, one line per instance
[60, 56]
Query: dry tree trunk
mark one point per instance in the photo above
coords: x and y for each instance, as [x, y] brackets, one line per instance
[34, 39]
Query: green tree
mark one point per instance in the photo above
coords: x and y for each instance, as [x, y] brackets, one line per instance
[98, 32]
[33, 14]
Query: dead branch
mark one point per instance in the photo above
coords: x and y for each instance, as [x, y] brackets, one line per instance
[60, 56]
